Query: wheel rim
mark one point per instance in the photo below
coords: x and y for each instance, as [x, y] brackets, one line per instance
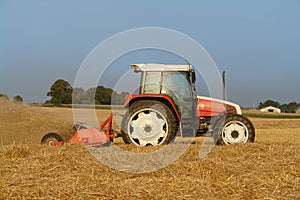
[50, 141]
[235, 132]
[147, 127]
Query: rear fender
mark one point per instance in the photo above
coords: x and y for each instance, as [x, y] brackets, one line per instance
[163, 98]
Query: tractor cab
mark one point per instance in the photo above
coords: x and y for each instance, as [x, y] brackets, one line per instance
[166, 103]
[174, 81]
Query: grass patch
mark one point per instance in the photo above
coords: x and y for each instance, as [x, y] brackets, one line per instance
[86, 106]
[272, 116]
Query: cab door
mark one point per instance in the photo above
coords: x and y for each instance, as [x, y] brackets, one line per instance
[179, 86]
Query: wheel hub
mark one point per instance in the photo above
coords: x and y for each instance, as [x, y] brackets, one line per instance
[147, 127]
[235, 132]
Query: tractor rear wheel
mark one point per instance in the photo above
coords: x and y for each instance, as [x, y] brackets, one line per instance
[149, 122]
[49, 138]
[233, 128]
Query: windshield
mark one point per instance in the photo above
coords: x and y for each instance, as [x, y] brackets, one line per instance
[152, 83]
[175, 83]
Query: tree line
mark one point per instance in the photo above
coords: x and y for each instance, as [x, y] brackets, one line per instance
[286, 108]
[61, 92]
[16, 99]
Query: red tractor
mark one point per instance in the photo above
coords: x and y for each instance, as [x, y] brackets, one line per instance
[167, 105]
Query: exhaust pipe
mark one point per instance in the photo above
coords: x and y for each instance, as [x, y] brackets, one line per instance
[224, 86]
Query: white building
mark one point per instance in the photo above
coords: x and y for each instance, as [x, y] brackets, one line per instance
[271, 109]
[298, 110]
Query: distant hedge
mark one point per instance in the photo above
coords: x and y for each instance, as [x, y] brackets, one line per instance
[272, 116]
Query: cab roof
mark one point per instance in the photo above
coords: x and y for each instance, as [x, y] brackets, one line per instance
[160, 67]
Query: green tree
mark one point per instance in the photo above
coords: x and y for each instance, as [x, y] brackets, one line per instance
[119, 99]
[78, 95]
[269, 103]
[61, 92]
[4, 96]
[98, 95]
[18, 99]
[103, 95]
[290, 107]
[89, 97]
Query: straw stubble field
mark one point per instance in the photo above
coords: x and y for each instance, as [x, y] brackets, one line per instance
[266, 169]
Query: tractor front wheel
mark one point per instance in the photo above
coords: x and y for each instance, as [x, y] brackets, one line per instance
[149, 122]
[233, 128]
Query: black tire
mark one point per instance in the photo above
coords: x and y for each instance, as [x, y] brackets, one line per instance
[233, 128]
[124, 124]
[51, 137]
[167, 125]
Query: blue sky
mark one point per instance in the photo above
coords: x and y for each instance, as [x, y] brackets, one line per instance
[256, 42]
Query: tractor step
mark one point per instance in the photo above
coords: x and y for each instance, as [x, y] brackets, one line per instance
[187, 127]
